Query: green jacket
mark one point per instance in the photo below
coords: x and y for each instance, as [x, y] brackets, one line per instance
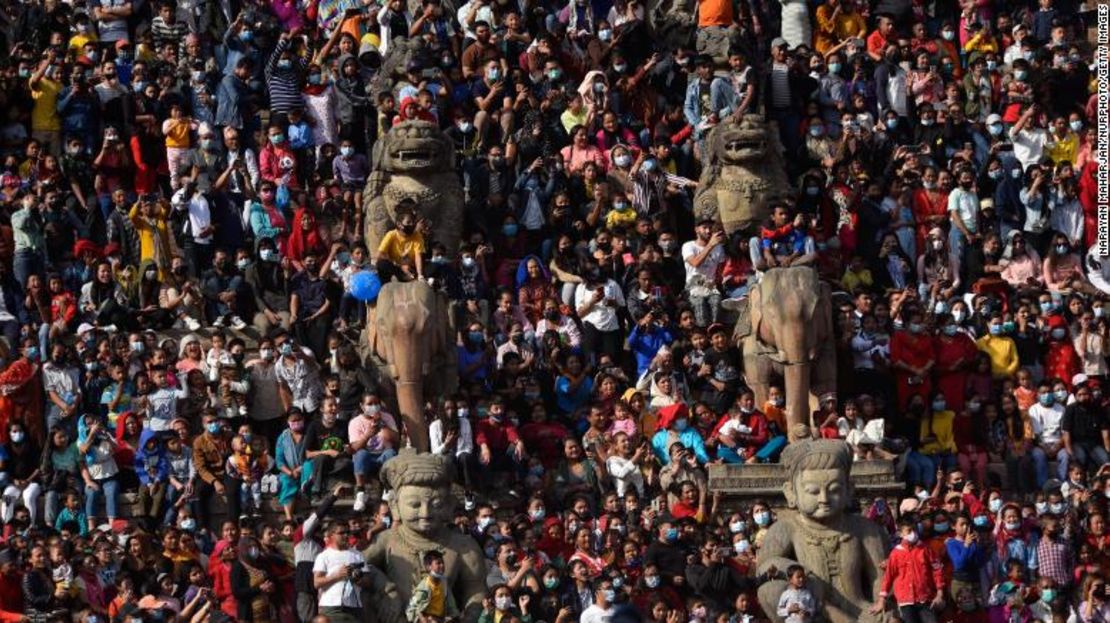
[422, 597]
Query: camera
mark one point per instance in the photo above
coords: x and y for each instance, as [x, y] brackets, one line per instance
[355, 572]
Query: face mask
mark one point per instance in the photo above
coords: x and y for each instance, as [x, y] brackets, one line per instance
[927, 122]
[277, 139]
[939, 405]
[346, 150]
[1076, 126]
[941, 528]
[948, 35]
[1012, 526]
[188, 524]
[484, 522]
[922, 495]
[929, 185]
[995, 174]
[610, 595]
[680, 425]
[910, 538]
[493, 75]
[1057, 508]
[1048, 307]
[816, 131]
[285, 64]
[213, 428]
[503, 603]
[468, 262]
[737, 526]
[477, 337]
[315, 79]
[1048, 595]
[371, 409]
[651, 581]
[622, 160]
[17, 436]
[996, 329]
[959, 315]
[1020, 74]
[538, 514]
[981, 521]
[742, 547]
[672, 535]
[620, 68]
[245, 35]
[1062, 249]
[761, 518]
[137, 347]
[995, 129]
[1059, 332]
[649, 165]
[33, 353]
[834, 68]
[916, 327]
[605, 34]
[599, 87]
[951, 330]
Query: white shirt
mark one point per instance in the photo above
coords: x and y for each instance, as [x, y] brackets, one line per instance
[596, 614]
[464, 442]
[707, 271]
[1046, 422]
[343, 593]
[601, 315]
[162, 407]
[966, 204]
[200, 216]
[1029, 145]
[625, 474]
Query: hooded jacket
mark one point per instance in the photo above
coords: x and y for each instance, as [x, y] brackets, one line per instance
[151, 464]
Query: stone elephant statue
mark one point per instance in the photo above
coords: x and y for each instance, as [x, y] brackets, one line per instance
[790, 337]
[410, 339]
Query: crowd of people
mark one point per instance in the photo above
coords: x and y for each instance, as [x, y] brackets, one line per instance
[181, 219]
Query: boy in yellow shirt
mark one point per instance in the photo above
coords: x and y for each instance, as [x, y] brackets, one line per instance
[402, 249]
[176, 129]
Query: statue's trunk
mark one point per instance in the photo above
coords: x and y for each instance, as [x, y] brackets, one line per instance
[411, 355]
[796, 377]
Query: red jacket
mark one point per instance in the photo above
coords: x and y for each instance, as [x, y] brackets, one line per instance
[11, 598]
[914, 573]
[497, 436]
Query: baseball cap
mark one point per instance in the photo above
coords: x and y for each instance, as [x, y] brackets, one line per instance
[993, 118]
[1017, 27]
[779, 42]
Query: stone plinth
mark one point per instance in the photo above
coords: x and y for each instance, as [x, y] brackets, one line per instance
[870, 479]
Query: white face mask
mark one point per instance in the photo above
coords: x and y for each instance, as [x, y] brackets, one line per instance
[266, 354]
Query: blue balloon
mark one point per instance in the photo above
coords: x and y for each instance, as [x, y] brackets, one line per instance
[365, 286]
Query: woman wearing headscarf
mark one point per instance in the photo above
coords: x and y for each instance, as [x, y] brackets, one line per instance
[251, 584]
[533, 287]
[1021, 265]
[674, 428]
[151, 220]
[129, 432]
[305, 237]
[190, 355]
[147, 296]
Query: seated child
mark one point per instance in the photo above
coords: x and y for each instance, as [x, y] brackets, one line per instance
[797, 603]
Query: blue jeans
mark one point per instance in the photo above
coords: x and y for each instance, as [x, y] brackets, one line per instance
[27, 263]
[920, 470]
[368, 463]
[109, 488]
[1040, 465]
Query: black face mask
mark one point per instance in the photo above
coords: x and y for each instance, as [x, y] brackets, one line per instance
[552, 315]
[407, 229]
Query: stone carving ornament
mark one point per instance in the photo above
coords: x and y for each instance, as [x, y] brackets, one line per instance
[840, 552]
[423, 508]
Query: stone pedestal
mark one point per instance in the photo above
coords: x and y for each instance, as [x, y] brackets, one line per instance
[745, 483]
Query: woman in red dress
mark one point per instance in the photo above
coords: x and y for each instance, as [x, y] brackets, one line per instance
[913, 356]
[955, 354]
[930, 204]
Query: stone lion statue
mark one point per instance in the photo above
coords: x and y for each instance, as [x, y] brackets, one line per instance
[414, 161]
[744, 169]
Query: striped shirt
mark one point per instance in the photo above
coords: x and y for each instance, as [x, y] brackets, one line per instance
[284, 84]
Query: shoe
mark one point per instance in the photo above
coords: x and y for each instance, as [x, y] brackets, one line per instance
[219, 323]
[237, 323]
[360, 502]
[191, 323]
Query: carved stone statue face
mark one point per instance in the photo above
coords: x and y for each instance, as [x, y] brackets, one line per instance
[425, 510]
[821, 494]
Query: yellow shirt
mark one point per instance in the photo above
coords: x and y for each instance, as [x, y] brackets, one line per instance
[176, 132]
[437, 600]
[1059, 150]
[853, 281]
[569, 119]
[831, 31]
[942, 438]
[623, 218]
[396, 246]
[1003, 354]
[44, 114]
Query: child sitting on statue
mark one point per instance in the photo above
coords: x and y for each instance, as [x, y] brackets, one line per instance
[431, 597]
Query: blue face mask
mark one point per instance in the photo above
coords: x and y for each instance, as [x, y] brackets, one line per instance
[939, 405]
[213, 428]
[672, 535]
[1046, 399]
[951, 330]
[996, 329]
[892, 124]
[494, 75]
[981, 521]
[941, 528]
[245, 35]
[995, 129]
[285, 64]
[648, 165]
[277, 139]
[1047, 307]
[315, 79]
[33, 353]
[1061, 395]
[680, 425]
[477, 337]
[1008, 326]
[834, 68]
[509, 229]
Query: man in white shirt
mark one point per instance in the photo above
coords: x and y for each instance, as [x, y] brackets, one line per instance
[337, 575]
[597, 300]
[1029, 140]
[602, 609]
[963, 211]
[1047, 417]
[702, 256]
[624, 465]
